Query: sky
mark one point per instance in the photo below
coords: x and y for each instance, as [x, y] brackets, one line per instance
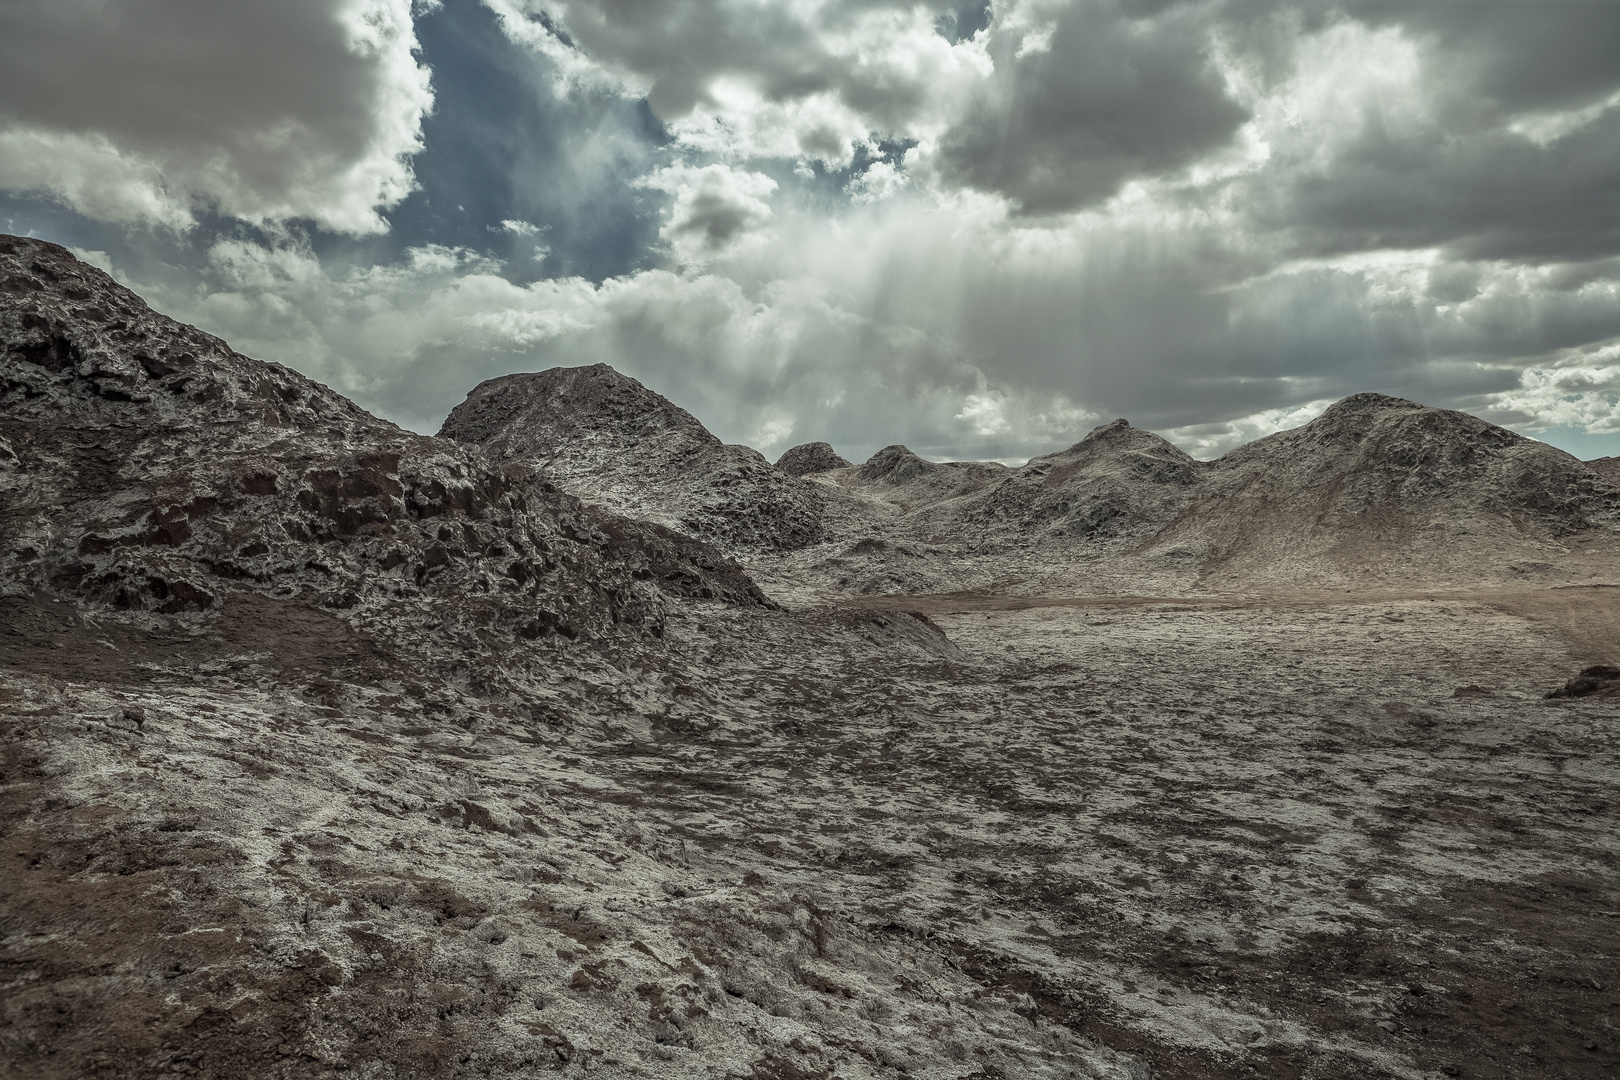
[976, 227]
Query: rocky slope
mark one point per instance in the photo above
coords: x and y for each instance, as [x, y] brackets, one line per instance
[149, 467]
[1606, 467]
[606, 438]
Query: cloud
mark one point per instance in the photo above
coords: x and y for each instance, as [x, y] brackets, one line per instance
[1385, 132]
[742, 80]
[976, 229]
[881, 180]
[716, 208]
[1085, 96]
[152, 111]
[1210, 441]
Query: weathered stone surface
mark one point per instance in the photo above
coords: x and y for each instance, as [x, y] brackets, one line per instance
[609, 440]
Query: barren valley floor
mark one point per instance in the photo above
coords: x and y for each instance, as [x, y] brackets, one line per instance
[1305, 834]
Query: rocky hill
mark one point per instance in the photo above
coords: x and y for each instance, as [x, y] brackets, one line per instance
[1606, 467]
[1118, 481]
[809, 458]
[147, 466]
[1384, 486]
[1376, 486]
[609, 440]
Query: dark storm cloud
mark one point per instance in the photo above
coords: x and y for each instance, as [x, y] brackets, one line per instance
[1482, 193]
[1556, 55]
[1116, 91]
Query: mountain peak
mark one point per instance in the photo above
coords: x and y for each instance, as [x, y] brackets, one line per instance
[605, 403]
[810, 458]
[896, 464]
[605, 438]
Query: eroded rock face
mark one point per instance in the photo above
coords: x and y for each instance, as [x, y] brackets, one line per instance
[148, 466]
[607, 439]
[810, 458]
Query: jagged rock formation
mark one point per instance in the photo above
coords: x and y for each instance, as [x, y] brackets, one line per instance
[809, 458]
[149, 467]
[609, 440]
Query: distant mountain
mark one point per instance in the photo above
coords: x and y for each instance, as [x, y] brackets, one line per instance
[1375, 486]
[1388, 485]
[607, 439]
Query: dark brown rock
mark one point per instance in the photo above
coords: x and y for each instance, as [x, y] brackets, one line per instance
[1600, 680]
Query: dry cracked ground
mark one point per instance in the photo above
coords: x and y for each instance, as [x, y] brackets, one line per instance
[1292, 834]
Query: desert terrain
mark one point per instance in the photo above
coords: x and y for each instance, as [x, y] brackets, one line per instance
[575, 742]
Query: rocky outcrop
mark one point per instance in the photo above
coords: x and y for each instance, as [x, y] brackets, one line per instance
[148, 466]
[810, 458]
[607, 439]
[1606, 467]
[1599, 680]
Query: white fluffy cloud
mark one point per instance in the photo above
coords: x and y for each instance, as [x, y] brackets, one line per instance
[149, 111]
